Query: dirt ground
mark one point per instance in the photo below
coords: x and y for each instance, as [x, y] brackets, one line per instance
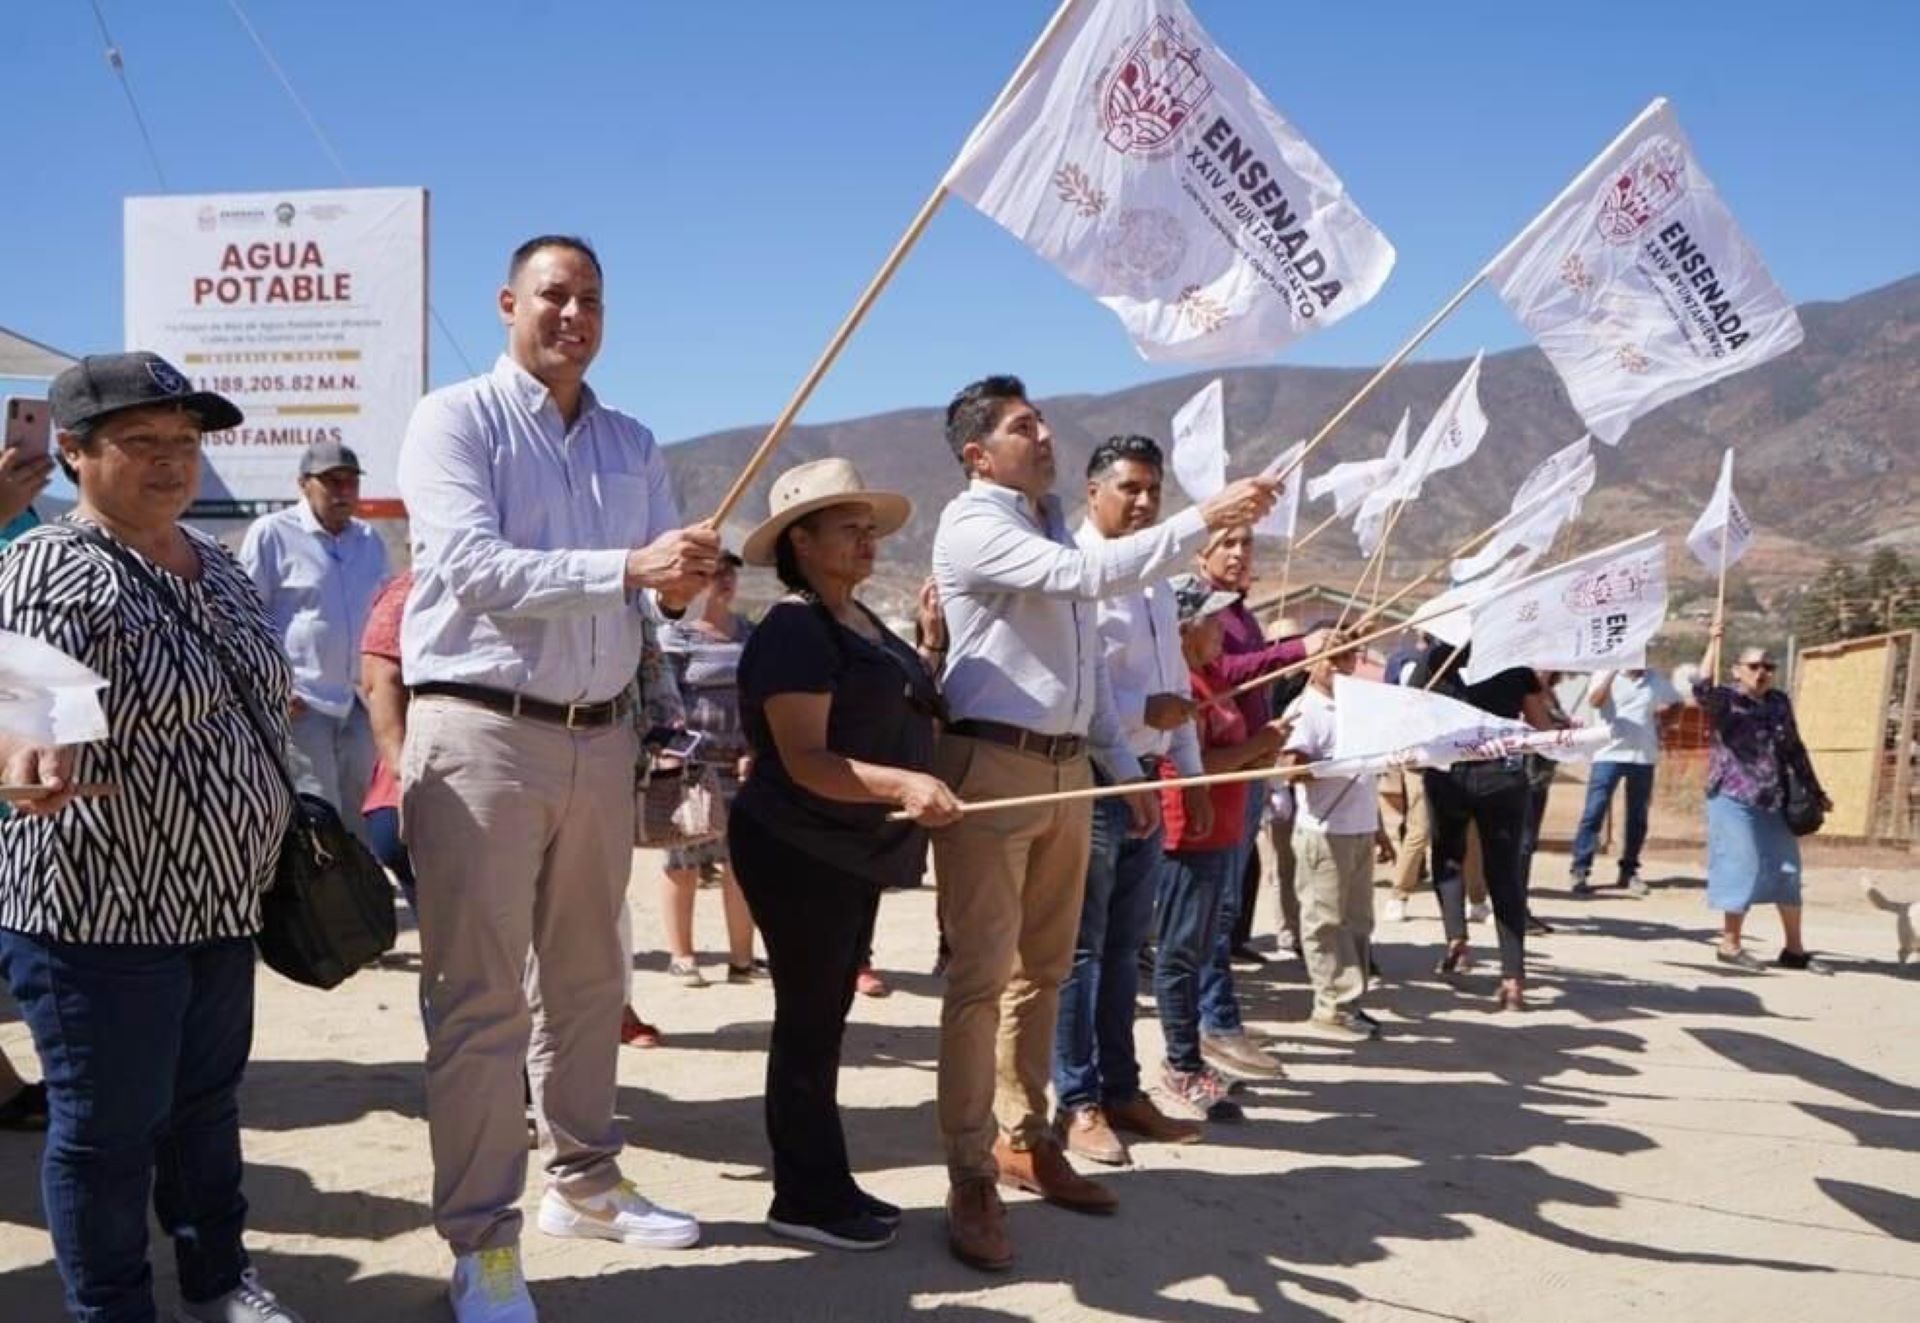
[1663, 1138]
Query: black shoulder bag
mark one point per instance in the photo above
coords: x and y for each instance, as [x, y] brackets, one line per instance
[1800, 799]
[329, 912]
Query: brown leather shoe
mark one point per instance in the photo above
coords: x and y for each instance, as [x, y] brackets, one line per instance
[1138, 1116]
[1045, 1171]
[1084, 1130]
[977, 1226]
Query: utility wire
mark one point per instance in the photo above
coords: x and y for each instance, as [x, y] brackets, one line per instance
[326, 145]
[119, 68]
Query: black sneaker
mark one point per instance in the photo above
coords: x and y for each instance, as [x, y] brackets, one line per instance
[862, 1231]
[1539, 927]
[879, 1209]
[1244, 954]
[1804, 960]
[1582, 885]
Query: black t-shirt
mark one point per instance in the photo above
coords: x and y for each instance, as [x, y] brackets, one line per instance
[1504, 694]
[882, 711]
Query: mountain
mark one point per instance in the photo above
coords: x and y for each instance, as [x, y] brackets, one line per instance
[1827, 464]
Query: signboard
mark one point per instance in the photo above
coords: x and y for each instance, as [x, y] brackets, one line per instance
[308, 310]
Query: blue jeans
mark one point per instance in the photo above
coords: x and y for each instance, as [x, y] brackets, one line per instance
[142, 1048]
[1600, 783]
[383, 838]
[1093, 1056]
[1219, 1005]
[1188, 913]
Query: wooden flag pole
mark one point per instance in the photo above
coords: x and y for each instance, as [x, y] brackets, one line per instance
[1124, 788]
[861, 306]
[1720, 604]
[1385, 369]
[1318, 529]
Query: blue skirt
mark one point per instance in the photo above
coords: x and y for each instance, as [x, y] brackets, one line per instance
[1752, 858]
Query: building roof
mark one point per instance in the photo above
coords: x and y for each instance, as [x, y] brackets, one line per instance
[29, 359]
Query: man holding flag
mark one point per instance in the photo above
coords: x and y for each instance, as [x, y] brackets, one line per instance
[1030, 699]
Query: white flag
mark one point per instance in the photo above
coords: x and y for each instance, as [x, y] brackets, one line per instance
[1450, 438]
[1639, 285]
[1351, 483]
[1448, 616]
[1573, 744]
[1723, 518]
[1593, 613]
[1532, 525]
[1141, 161]
[45, 695]
[1200, 443]
[1284, 518]
[1551, 470]
[1423, 729]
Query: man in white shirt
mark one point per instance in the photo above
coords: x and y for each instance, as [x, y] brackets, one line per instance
[1096, 1074]
[1631, 701]
[1337, 835]
[538, 517]
[318, 569]
[1029, 697]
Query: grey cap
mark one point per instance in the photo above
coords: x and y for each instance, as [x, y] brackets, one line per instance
[325, 457]
[1196, 599]
[103, 384]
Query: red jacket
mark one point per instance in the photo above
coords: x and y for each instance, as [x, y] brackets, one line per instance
[1218, 724]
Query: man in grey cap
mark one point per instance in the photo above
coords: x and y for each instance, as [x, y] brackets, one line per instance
[318, 568]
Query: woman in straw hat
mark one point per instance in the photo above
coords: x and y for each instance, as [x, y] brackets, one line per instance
[839, 714]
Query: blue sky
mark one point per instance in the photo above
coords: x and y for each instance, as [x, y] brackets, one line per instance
[743, 165]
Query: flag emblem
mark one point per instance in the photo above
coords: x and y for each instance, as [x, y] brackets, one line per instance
[1623, 581]
[1653, 181]
[1154, 90]
[1144, 248]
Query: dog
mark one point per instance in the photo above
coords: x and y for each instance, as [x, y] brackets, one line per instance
[1902, 925]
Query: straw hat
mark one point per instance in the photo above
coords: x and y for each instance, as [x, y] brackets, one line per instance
[805, 488]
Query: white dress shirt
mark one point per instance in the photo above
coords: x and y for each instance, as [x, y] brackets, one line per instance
[1140, 642]
[318, 589]
[521, 527]
[1023, 643]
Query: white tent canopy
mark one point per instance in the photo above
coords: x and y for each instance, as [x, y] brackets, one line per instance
[26, 359]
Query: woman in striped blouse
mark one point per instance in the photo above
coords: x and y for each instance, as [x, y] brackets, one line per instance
[127, 918]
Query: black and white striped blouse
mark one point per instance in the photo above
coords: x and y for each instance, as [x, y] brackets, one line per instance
[182, 852]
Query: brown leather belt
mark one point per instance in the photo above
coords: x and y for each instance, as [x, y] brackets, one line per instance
[574, 716]
[1054, 748]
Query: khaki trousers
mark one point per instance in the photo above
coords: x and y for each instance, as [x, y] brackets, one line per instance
[1336, 913]
[1418, 837]
[521, 835]
[1010, 889]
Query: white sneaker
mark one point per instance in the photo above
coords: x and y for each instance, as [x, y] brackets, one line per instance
[248, 1302]
[1396, 910]
[622, 1214]
[488, 1287]
[1480, 913]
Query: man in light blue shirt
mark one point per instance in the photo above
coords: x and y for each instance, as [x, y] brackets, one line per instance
[1631, 701]
[318, 569]
[1030, 700]
[538, 517]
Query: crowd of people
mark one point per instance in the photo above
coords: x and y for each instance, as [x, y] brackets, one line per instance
[481, 719]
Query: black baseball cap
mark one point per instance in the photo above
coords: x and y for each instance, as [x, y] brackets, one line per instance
[325, 457]
[103, 384]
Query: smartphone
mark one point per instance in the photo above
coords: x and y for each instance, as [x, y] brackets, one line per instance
[29, 426]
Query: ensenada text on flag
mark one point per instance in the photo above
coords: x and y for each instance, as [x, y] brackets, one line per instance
[1723, 518]
[1638, 284]
[1144, 164]
[1596, 612]
[1450, 438]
